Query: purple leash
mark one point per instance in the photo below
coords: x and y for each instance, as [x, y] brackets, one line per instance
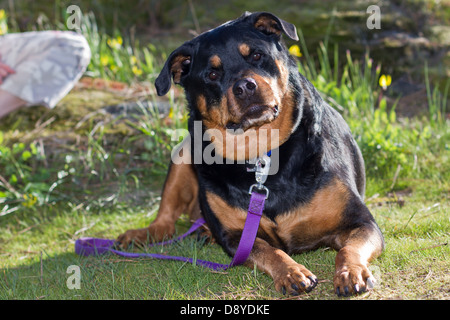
[96, 246]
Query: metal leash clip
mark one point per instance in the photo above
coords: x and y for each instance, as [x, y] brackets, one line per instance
[262, 167]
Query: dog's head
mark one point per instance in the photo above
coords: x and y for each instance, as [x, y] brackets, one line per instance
[237, 77]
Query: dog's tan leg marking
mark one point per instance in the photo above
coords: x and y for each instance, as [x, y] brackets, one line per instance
[358, 248]
[289, 276]
[180, 195]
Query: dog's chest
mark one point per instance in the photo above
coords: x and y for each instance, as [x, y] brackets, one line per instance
[301, 227]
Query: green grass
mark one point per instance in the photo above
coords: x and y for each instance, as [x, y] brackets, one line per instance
[81, 172]
[37, 249]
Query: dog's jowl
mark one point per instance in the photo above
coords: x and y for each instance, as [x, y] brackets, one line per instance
[240, 78]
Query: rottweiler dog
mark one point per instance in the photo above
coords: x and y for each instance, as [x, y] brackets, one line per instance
[240, 78]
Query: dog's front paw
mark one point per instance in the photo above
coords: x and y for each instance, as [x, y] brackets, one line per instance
[154, 233]
[353, 279]
[294, 279]
[137, 236]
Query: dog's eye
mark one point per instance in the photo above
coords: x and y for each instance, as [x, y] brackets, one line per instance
[256, 56]
[213, 76]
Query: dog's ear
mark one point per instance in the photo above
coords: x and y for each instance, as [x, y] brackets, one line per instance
[271, 24]
[177, 65]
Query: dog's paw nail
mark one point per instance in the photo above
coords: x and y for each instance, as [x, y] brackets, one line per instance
[370, 283]
[313, 280]
[346, 291]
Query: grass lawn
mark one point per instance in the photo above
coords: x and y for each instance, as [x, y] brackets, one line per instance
[36, 251]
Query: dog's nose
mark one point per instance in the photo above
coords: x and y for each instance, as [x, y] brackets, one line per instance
[245, 88]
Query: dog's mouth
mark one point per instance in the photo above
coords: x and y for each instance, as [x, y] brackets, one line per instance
[254, 117]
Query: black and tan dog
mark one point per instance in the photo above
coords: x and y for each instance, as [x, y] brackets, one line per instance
[240, 76]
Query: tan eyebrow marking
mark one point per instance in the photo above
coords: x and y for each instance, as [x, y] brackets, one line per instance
[244, 49]
[215, 61]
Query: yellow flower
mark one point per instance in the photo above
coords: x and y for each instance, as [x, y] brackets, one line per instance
[115, 43]
[136, 71]
[385, 81]
[133, 60]
[295, 50]
[170, 113]
[104, 60]
[3, 22]
[29, 200]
